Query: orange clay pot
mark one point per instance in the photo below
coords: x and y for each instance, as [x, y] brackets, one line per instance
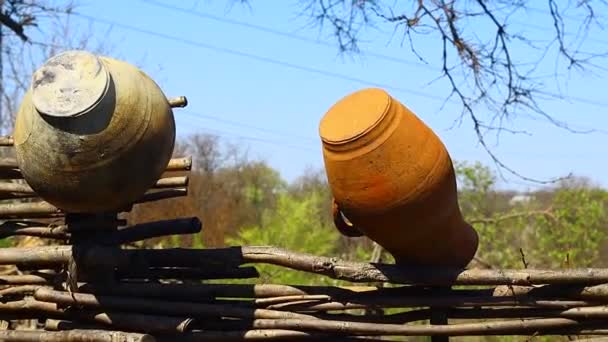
[393, 181]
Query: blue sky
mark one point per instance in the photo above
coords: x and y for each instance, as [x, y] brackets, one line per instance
[274, 108]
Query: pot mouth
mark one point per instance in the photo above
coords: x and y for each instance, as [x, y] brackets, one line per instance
[69, 84]
[354, 116]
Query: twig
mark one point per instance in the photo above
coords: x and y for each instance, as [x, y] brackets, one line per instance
[592, 312]
[73, 336]
[513, 327]
[264, 302]
[523, 258]
[152, 306]
[253, 335]
[434, 301]
[546, 212]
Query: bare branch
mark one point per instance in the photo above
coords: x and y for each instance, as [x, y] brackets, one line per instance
[486, 73]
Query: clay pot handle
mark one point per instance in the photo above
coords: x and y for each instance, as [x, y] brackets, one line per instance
[345, 228]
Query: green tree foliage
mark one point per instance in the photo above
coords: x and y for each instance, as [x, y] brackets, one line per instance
[294, 224]
[563, 226]
[572, 233]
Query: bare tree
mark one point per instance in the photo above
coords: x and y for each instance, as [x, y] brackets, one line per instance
[489, 74]
[31, 31]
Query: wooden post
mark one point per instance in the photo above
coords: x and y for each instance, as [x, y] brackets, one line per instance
[82, 239]
[439, 316]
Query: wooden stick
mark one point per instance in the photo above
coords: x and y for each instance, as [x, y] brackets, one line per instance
[513, 327]
[94, 223]
[144, 231]
[356, 272]
[440, 302]
[10, 174]
[125, 235]
[37, 229]
[287, 335]
[10, 170]
[60, 325]
[172, 182]
[162, 194]
[174, 257]
[264, 302]
[150, 196]
[600, 312]
[16, 196]
[15, 188]
[73, 336]
[189, 291]
[8, 163]
[179, 164]
[6, 141]
[255, 335]
[36, 256]
[235, 256]
[97, 256]
[18, 290]
[29, 305]
[129, 322]
[25, 279]
[189, 273]
[163, 183]
[398, 318]
[118, 320]
[592, 292]
[152, 306]
[44, 209]
[367, 272]
[179, 101]
[139, 322]
[36, 209]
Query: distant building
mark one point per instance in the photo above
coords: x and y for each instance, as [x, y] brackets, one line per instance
[520, 199]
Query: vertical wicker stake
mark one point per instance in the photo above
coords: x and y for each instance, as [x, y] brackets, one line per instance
[84, 228]
[439, 316]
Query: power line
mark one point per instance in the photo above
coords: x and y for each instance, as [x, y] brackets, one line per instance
[270, 30]
[547, 29]
[301, 67]
[544, 11]
[276, 143]
[380, 56]
[240, 124]
[261, 58]
[225, 134]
